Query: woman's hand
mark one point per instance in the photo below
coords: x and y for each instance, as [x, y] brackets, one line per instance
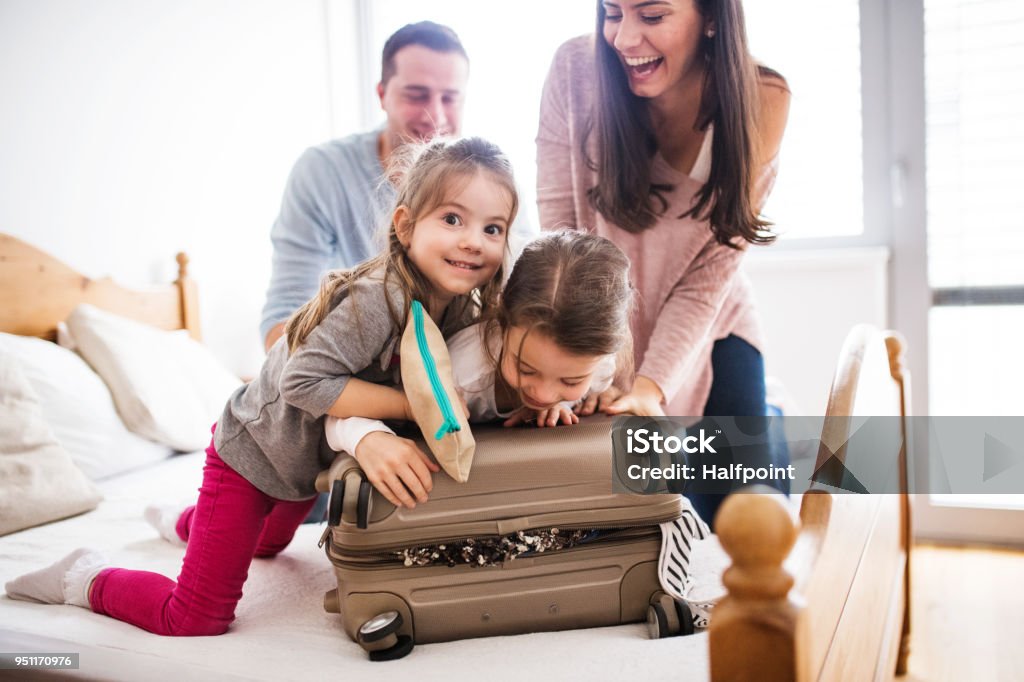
[644, 400]
[599, 401]
[396, 468]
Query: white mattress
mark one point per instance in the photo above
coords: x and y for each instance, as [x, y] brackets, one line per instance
[281, 631]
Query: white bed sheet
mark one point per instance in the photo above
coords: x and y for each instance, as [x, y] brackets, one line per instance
[281, 631]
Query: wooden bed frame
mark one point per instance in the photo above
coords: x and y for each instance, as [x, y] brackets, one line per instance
[825, 597]
[37, 291]
[822, 597]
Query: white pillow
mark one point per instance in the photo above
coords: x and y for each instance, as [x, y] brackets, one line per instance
[79, 410]
[38, 481]
[167, 387]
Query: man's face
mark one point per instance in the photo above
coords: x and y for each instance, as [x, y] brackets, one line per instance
[424, 96]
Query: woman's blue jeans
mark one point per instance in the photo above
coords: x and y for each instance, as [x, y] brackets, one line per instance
[737, 390]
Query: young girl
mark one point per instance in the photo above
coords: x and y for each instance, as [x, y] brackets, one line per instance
[559, 335]
[446, 246]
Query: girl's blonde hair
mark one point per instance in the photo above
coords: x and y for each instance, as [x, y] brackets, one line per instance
[425, 175]
[574, 288]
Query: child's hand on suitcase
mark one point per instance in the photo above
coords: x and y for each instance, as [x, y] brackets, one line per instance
[553, 415]
[549, 417]
[396, 467]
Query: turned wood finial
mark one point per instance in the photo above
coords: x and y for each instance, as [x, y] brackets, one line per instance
[182, 259]
[896, 345]
[757, 531]
[753, 628]
[189, 298]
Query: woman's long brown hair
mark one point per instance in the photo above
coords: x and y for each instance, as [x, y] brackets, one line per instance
[625, 194]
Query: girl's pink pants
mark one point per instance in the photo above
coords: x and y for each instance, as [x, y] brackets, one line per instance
[231, 523]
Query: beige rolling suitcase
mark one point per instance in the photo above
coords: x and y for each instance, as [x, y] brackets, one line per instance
[525, 483]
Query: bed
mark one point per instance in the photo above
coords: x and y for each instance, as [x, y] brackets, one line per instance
[815, 594]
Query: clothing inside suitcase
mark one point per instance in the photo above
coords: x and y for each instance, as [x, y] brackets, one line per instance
[542, 487]
[495, 551]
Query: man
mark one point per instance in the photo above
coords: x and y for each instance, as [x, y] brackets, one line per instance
[336, 197]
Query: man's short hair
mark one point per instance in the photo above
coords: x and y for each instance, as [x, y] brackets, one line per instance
[426, 33]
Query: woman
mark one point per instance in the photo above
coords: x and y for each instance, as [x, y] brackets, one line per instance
[661, 133]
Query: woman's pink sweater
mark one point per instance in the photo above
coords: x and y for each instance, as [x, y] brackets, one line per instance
[690, 291]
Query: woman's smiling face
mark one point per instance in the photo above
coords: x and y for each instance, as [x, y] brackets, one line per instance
[657, 42]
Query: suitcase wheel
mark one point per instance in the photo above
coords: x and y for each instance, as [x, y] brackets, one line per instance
[667, 617]
[335, 504]
[346, 492]
[351, 500]
[399, 650]
[364, 504]
[657, 622]
[685, 617]
[378, 636]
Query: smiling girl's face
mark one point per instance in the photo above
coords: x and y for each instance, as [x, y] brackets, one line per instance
[459, 245]
[542, 372]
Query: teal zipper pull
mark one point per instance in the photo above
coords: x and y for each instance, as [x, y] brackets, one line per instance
[451, 422]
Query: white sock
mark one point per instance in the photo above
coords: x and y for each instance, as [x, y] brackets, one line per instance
[677, 540]
[164, 518]
[65, 582]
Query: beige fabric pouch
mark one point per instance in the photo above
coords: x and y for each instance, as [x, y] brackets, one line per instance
[430, 387]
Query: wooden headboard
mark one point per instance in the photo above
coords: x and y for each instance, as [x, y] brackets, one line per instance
[37, 291]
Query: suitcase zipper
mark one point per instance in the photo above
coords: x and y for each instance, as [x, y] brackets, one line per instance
[419, 542]
[379, 558]
[389, 561]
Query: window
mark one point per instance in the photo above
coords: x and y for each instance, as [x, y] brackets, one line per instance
[974, 97]
[971, 276]
[819, 192]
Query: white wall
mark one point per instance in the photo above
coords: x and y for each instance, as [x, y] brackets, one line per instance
[807, 301]
[132, 129]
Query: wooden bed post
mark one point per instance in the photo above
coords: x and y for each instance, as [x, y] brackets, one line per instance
[189, 298]
[753, 632]
[896, 346]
